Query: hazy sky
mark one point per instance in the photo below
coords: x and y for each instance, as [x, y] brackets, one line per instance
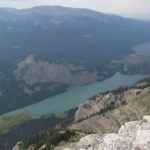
[130, 8]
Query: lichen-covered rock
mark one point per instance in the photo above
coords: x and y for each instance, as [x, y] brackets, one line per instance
[115, 142]
[90, 142]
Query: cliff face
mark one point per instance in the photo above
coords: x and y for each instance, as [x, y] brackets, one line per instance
[131, 136]
[107, 112]
[33, 70]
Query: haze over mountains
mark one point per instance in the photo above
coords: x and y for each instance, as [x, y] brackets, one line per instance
[66, 32]
[76, 41]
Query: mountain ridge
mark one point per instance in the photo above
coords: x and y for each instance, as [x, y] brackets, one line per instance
[58, 7]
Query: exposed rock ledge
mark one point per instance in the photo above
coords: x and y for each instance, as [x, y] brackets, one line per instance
[131, 136]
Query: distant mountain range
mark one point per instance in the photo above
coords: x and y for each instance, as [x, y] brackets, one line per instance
[59, 32]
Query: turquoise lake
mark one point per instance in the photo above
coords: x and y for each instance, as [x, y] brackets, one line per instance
[72, 98]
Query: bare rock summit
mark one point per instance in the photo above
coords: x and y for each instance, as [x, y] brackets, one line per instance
[133, 135]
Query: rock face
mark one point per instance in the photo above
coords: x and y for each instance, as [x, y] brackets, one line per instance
[131, 136]
[89, 142]
[95, 105]
[34, 71]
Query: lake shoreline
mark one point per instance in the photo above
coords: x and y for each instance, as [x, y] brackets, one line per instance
[53, 105]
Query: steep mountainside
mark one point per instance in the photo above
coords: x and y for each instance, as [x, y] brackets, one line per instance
[107, 112]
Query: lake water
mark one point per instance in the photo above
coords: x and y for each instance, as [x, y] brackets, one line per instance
[142, 49]
[72, 98]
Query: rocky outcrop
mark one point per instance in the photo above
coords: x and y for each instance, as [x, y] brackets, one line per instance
[131, 136]
[96, 105]
[89, 142]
